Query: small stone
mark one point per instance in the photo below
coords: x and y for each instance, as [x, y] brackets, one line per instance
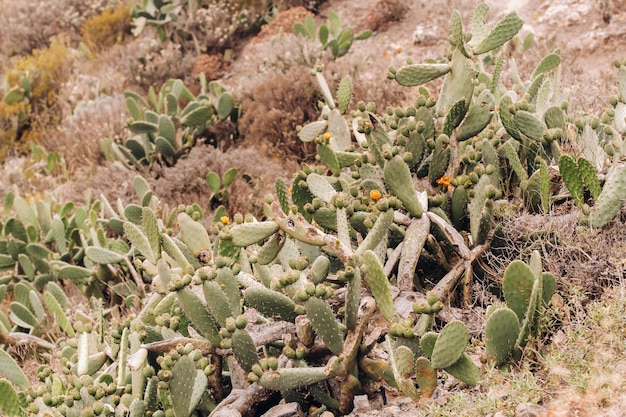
[529, 410]
[361, 404]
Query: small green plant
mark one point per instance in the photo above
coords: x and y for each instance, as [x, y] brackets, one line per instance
[220, 194]
[332, 34]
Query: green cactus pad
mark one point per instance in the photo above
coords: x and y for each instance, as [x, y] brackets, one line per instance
[271, 303]
[193, 234]
[398, 179]
[456, 33]
[589, 176]
[555, 118]
[501, 331]
[320, 187]
[426, 377]
[450, 345]
[478, 116]
[440, 158]
[465, 370]
[547, 64]
[344, 94]
[291, 378]
[458, 84]
[572, 178]
[504, 31]
[269, 251]
[319, 270]
[479, 211]
[217, 303]
[549, 287]
[10, 404]
[244, 349]
[405, 361]
[312, 130]
[417, 74]
[379, 284]
[12, 371]
[611, 199]
[197, 312]
[377, 233]
[57, 312]
[516, 164]
[329, 158]
[186, 386]
[353, 299]
[529, 124]
[325, 324]
[103, 256]
[247, 234]
[529, 318]
[517, 285]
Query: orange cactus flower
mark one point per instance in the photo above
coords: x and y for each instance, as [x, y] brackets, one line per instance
[375, 195]
[327, 137]
[444, 181]
[225, 220]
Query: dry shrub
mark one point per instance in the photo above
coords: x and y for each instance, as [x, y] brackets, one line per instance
[185, 183]
[212, 66]
[283, 22]
[26, 25]
[384, 13]
[107, 28]
[274, 107]
[592, 259]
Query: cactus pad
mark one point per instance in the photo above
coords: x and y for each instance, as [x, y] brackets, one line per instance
[450, 345]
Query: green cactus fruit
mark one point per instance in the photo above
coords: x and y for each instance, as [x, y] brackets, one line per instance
[418, 74]
[269, 251]
[450, 345]
[344, 94]
[478, 116]
[197, 312]
[555, 118]
[320, 187]
[244, 349]
[325, 324]
[247, 234]
[398, 179]
[503, 31]
[379, 284]
[291, 378]
[426, 377]
[319, 270]
[547, 64]
[465, 370]
[312, 130]
[572, 178]
[458, 84]
[517, 285]
[10, 404]
[501, 331]
[529, 124]
[217, 303]
[440, 159]
[610, 199]
[589, 176]
[194, 235]
[187, 386]
[377, 233]
[329, 158]
[271, 303]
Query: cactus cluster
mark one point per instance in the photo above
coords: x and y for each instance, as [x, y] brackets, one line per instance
[163, 130]
[527, 290]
